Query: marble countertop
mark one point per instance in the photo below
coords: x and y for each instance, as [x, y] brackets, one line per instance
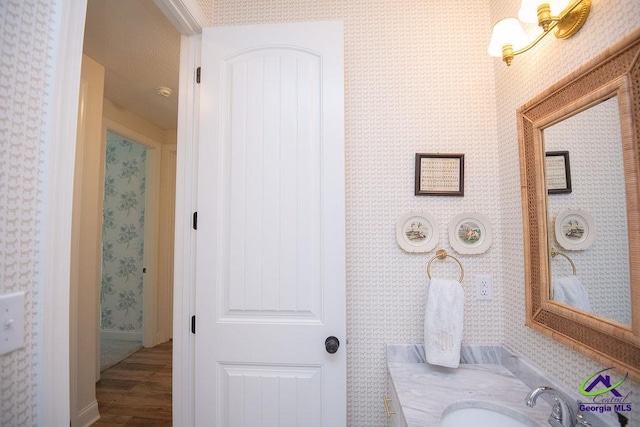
[488, 376]
[425, 391]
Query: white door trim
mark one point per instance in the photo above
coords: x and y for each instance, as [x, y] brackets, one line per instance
[53, 389]
[185, 239]
[86, 247]
[185, 15]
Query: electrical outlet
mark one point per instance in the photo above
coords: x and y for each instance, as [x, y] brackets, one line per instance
[11, 322]
[484, 287]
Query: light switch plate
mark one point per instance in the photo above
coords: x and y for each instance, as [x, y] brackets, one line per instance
[11, 322]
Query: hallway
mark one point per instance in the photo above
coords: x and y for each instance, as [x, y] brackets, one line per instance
[137, 391]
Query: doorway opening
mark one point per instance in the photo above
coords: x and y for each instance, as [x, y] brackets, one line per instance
[123, 249]
[132, 165]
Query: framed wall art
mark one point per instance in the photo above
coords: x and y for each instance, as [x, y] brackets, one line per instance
[439, 174]
[558, 172]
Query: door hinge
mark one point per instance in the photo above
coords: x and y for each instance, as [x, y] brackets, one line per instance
[198, 75]
[193, 324]
[195, 220]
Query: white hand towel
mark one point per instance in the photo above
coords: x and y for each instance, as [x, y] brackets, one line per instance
[443, 322]
[571, 291]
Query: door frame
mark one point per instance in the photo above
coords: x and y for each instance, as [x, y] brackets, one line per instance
[185, 238]
[53, 387]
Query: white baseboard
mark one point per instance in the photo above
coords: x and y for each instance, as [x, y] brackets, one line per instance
[89, 414]
[121, 335]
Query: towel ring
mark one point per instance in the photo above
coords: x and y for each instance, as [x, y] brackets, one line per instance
[442, 254]
[554, 252]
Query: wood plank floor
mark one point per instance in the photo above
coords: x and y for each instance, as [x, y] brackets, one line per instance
[137, 391]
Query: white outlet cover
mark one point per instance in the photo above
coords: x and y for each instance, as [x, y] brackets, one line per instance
[11, 322]
[484, 287]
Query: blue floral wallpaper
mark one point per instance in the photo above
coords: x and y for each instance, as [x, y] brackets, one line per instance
[123, 235]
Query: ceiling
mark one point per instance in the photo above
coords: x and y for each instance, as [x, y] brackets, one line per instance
[140, 51]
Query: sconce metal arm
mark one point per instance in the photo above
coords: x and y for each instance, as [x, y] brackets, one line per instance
[573, 24]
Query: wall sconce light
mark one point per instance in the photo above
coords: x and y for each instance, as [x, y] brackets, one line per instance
[565, 16]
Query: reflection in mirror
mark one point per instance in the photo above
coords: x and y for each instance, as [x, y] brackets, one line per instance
[601, 281]
[611, 76]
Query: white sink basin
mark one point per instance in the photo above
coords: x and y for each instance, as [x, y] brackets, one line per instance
[484, 414]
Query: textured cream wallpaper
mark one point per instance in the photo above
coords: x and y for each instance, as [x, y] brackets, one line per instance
[417, 79]
[25, 74]
[529, 75]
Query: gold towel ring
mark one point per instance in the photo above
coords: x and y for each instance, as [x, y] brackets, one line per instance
[554, 252]
[442, 254]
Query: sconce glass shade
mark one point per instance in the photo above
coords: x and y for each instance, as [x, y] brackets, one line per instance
[506, 31]
[529, 9]
[565, 17]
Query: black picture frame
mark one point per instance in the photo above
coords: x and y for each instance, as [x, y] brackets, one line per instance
[439, 174]
[557, 170]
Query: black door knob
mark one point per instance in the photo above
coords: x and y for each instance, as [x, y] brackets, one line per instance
[331, 344]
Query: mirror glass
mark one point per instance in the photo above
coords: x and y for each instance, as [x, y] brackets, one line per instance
[587, 212]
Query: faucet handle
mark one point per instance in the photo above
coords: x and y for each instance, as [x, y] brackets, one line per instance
[556, 411]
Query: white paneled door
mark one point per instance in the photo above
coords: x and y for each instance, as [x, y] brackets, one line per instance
[270, 273]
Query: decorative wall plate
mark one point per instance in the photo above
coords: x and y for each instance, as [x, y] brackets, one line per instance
[417, 232]
[470, 233]
[575, 229]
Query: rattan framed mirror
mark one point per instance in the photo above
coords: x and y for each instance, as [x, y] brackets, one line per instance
[613, 73]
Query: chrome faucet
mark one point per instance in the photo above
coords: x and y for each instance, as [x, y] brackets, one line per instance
[564, 412]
